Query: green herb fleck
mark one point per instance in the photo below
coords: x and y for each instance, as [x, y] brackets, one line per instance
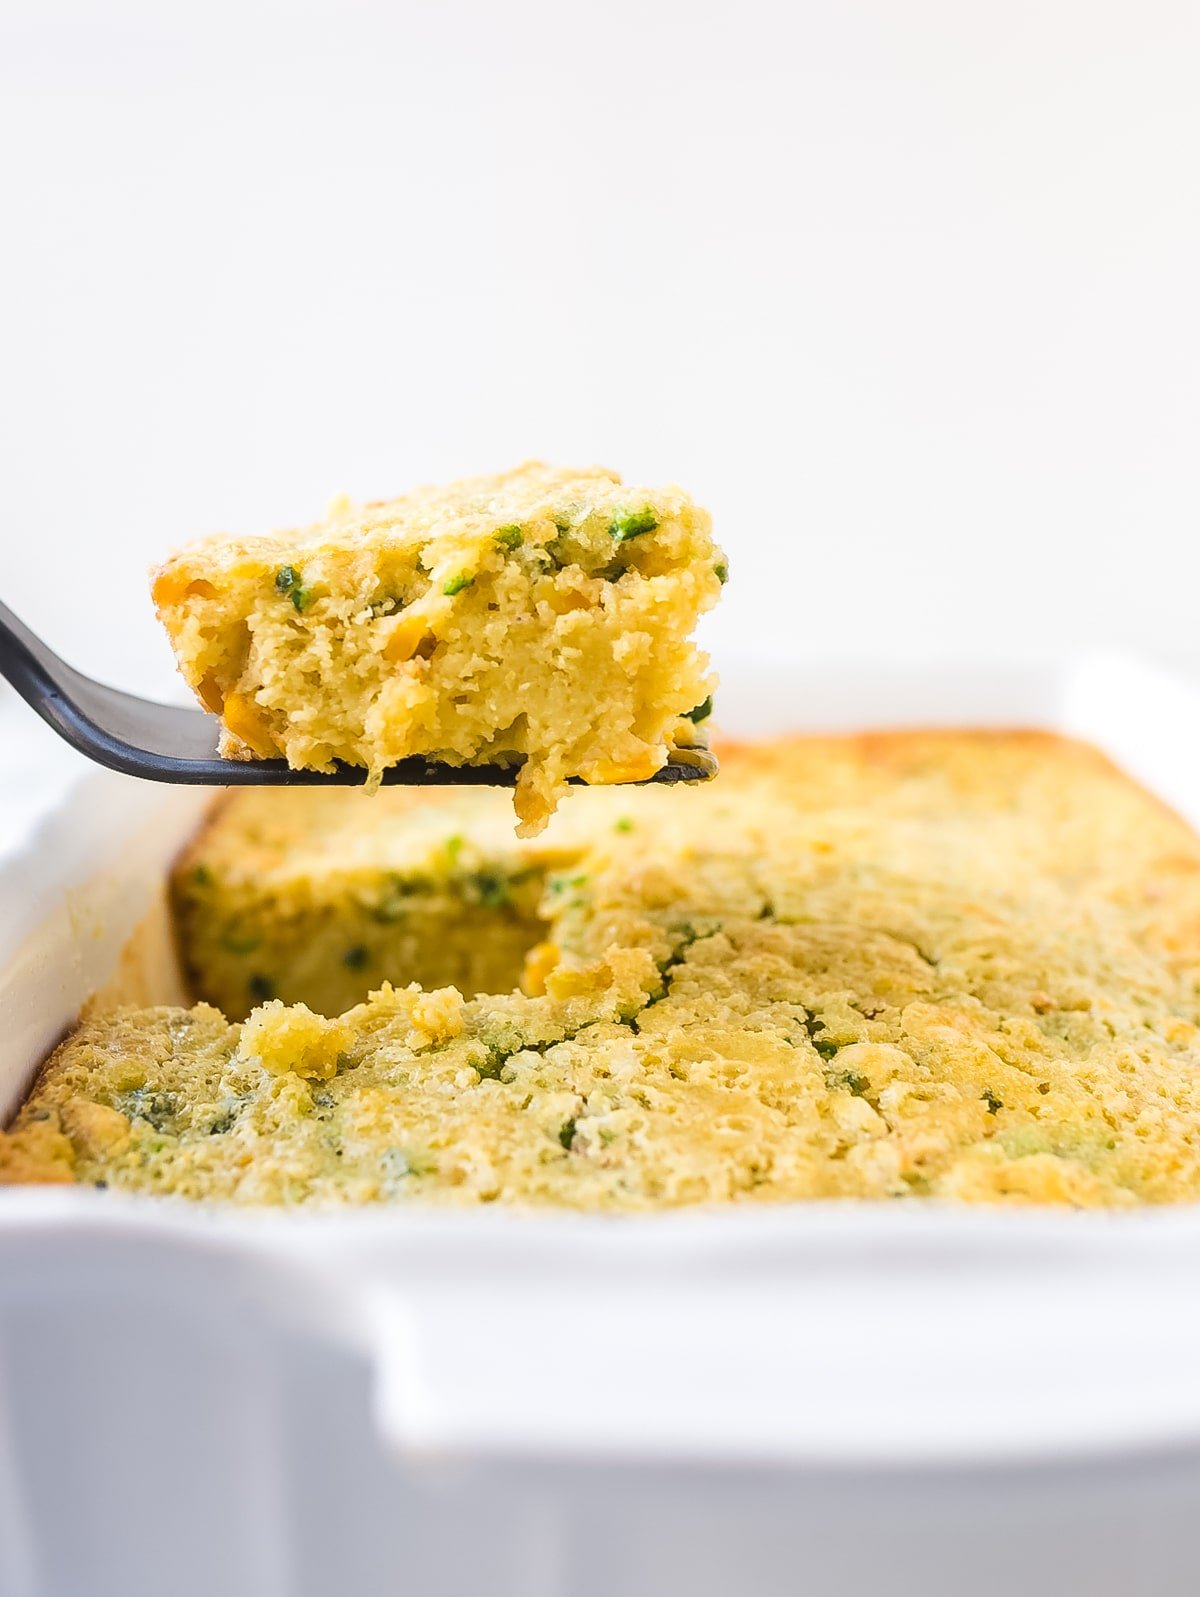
[495, 1058]
[489, 889]
[457, 584]
[260, 988]
[623, 824]
[223, 1123]
[409, 1163]
[395, 1164]
[559, 884]
[566, 1133]
[289, 582]
[392, 906]
[815, 1028]
[721, 572]
[236, 942]
[202, 876]
[454, 846]
[701, 712]
[994, 1104]
[158, 1109]
[683, 935]
[355, 958]
[509, 537]
[632, 523]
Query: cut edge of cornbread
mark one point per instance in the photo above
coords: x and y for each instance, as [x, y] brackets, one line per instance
[539, 618]
[322, 897]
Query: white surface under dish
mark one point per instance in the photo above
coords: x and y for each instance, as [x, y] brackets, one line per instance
[826, 1398]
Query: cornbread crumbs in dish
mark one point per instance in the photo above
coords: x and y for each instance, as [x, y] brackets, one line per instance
[539, 619]
[958, 966]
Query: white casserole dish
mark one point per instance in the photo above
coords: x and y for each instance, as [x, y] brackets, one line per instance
[823, 1399]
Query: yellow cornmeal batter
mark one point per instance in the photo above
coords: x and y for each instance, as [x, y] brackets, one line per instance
[540, 618]
[964, 966]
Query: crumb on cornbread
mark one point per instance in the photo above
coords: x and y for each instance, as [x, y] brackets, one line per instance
[958, 966]
[540, 619]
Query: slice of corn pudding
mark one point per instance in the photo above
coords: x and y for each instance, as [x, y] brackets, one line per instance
[959, 966]
[541, 618]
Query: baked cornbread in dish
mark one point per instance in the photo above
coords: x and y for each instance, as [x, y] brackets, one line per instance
[959, 966]
[540, 618]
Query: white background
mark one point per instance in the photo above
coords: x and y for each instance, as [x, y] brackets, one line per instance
[907, 293]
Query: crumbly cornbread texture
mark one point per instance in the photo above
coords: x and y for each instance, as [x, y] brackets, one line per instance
[959, 966]
[541, 618]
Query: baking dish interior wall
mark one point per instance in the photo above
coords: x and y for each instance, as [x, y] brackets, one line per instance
[83, 914]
